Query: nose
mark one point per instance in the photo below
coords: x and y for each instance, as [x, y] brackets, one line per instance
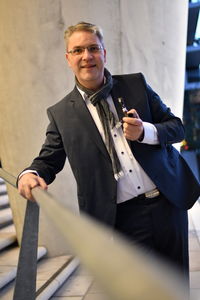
[86, 54]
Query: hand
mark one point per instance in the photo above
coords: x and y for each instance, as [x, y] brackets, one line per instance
[27, 182]
[133, 127]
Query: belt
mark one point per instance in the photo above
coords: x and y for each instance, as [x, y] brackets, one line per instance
[143, 199]
[152, 194]
[146, 198]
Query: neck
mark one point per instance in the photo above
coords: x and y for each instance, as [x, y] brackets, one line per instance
[91, 89]
[90, 86]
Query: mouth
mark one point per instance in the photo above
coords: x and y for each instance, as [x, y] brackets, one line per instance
[88, 66]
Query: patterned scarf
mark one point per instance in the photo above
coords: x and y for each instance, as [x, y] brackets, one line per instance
[107, 118]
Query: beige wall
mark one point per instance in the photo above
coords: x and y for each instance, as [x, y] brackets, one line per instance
[145, 35]
[153, 42]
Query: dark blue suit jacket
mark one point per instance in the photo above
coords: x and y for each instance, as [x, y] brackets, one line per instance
[72, 133]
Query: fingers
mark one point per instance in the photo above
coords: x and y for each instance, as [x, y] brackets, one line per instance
[132, 121]
[134, 113]
[42, 183]
[133, 127]
[27, 182]
[133, 132]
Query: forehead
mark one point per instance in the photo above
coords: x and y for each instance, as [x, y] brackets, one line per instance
[82, 38]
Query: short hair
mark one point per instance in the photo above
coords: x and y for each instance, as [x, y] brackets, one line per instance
[84, 26]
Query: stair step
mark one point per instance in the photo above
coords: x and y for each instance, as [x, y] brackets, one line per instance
[7, 236]
[11, 238]
[80, 284]
[2, 181]
[51, 274]
[55, 271]
[9, 228]
[4, 200]
[8, 264]
[5, 215]
[3, 189]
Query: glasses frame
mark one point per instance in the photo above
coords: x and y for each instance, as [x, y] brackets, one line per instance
[82, 49]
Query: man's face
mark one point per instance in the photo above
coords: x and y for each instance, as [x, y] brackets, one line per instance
[88, 67]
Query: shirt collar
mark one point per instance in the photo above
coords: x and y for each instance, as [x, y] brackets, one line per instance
[83, 94]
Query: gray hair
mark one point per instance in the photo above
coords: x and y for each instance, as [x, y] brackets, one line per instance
[83, 26]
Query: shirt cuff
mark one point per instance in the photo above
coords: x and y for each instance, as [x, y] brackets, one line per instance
[150, 134]
[28, 171]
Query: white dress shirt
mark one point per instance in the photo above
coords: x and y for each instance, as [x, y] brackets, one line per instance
[134, 180]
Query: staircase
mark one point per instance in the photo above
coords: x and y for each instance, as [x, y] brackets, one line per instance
[51, 272]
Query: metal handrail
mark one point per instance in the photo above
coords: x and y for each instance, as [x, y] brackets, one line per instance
[123, 271]
[25, 283]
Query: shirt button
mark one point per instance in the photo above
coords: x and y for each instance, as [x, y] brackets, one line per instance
[115, 135]
[138, 187]
[130, 171]
[122, 152]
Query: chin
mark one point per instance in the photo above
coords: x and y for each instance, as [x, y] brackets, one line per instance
[88, 79]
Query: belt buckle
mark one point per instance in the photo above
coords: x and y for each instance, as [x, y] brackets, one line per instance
[152, 194]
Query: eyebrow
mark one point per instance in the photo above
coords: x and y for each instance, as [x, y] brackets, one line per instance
[86, 46]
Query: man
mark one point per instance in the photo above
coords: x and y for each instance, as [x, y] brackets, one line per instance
[128, 174]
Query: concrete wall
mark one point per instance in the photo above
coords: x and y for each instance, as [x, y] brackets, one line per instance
[153, 42]
[145, 35]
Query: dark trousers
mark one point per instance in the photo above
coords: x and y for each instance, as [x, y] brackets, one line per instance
[157, 226]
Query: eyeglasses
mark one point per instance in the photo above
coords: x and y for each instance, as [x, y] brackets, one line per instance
[91, 49]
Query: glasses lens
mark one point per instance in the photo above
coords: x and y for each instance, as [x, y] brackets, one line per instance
[77, 51]
[91, 49]
[94, 48]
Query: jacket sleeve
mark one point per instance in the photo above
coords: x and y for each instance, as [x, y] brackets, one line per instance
[52, 156]
[169, 127]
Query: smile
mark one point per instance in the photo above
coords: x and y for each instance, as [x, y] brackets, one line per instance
[88, 66]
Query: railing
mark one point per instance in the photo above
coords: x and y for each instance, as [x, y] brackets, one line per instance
[123, 271]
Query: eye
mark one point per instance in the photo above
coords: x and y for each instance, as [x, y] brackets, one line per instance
[77, 51]
[94, 48]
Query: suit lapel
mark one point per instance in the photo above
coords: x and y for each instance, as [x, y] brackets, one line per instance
[132, 90]
[87, 121]
[116, 93]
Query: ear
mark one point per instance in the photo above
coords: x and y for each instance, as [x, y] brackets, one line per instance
[104, 55]
[68, 59]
